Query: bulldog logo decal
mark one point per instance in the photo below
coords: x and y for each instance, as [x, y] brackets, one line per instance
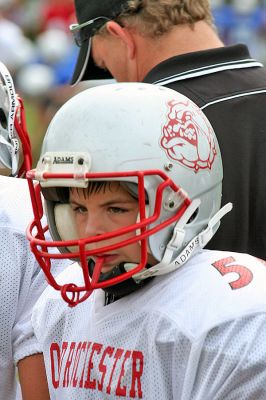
[187, 136]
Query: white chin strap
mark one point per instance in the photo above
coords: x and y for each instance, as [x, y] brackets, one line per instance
[168, 264]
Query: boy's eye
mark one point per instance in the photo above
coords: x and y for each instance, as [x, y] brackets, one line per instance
[116, 210]
[79, 210]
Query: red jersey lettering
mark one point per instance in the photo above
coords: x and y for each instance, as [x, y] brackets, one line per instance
[107, 370]
[137, 371]
[68, 364]
[91, 384]
[122, 391]
[102, 367]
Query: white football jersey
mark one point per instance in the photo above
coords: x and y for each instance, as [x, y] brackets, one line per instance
[21, 283]
[198, 333]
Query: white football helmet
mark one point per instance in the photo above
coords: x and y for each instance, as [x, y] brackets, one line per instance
[164, 150]
[14, 138]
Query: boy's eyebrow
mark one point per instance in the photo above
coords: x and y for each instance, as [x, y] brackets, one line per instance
[123, 201]
[74, 202]
[107, 203]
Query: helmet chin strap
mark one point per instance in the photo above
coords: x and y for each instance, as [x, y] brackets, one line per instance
[137, 280]
[123, 288]
[168, 264]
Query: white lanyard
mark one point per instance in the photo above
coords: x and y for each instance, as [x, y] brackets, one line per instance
[11, 142]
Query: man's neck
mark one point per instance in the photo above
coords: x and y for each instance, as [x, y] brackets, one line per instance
[181, 40]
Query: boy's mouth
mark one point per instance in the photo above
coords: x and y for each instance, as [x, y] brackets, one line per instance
[108, 261]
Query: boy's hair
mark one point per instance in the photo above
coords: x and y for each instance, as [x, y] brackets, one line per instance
[155, 17]
[95, 187]
[61, 194]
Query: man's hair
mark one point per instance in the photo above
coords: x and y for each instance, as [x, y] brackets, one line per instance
[155, 17]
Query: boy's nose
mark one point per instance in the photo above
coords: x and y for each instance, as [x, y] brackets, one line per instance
[94, 226]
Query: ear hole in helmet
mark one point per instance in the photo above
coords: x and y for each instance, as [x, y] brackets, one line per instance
[132, 189]
[3, 119]
[57, 194]
[65, 223]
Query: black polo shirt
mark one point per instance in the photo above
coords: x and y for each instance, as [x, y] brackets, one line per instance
[230, 87]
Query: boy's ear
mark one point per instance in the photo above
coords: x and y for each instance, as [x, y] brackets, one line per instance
[123, 34]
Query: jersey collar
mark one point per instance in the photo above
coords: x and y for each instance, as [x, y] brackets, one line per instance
[201, 63]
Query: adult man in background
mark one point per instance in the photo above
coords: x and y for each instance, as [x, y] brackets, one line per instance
[174, 43]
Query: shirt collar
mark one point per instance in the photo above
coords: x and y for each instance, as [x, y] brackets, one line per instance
[201, 63]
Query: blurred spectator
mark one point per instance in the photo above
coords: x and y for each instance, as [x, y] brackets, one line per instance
[242, 21]
[53, 45]
[245, 6]
[56, 49]
[224, 19]
[57, 14]
[35, 80]
[15, 48]
[36, 45]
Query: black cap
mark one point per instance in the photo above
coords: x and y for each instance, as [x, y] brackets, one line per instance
[96, 12]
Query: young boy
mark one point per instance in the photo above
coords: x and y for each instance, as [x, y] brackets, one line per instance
[131, 176]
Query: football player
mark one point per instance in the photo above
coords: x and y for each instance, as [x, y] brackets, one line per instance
[131, 176]
[21, 281]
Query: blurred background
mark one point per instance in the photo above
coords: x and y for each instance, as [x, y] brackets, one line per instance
[39, 51]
